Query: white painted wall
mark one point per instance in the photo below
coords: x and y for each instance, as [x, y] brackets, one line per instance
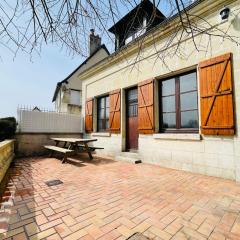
[212, 155]
[48, 122]
[75, 83]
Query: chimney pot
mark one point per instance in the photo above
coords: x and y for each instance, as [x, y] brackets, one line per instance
[94, 42]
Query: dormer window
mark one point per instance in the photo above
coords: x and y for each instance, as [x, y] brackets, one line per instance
[136, 23]
[138, 32]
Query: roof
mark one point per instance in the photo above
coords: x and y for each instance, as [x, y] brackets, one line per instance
[146, 6]
[163, 23]
[36, 109]
[157, 27]
[59, 84]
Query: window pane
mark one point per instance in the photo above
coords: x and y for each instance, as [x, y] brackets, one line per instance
[101, 115]
[188, 101]
[168, 87]
[188, 82]
[107, 101]
[129, 110]
[135, 110]
[168, 104]
[132, 110]
[169, 120]
[189, 119]
[132, 95]
[107, 113]
[102, 102]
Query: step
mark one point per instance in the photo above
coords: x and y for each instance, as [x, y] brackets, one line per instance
[129, 157]
[129, 154]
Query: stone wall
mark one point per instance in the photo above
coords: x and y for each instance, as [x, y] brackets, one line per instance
[32, 144]
[211, 155]
[110, 142]
[6, 156]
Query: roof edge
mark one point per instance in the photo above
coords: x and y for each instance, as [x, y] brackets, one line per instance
[103, 46]
[130, 48]
[112, 28]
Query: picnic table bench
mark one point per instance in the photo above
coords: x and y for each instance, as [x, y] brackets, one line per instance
[73, 145]
[65, 151]
[92, 149]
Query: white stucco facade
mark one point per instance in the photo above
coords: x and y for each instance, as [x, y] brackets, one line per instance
[66, 97]
[211, 155]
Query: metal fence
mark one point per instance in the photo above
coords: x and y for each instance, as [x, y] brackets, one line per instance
[46, 121]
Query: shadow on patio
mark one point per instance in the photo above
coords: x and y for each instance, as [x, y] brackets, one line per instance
[82, 160]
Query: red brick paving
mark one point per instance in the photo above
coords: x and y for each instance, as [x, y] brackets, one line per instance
[103, 199]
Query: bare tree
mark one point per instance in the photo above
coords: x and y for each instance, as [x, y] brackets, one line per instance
[26, 25]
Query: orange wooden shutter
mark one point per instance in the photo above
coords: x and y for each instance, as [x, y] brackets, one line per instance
[146, 107]
[115, 111]
[216, 94]
[89, 115]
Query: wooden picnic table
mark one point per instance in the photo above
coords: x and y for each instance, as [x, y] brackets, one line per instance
[73, 144]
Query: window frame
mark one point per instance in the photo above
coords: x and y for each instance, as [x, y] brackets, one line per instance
[79, 95]
[178, 110]
[105, 113]
[132, 103]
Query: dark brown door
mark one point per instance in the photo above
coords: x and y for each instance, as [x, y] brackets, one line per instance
[132, 119]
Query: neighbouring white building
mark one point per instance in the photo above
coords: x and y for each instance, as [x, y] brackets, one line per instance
[68, 93]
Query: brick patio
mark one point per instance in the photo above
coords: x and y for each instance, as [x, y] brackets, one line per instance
[105, 200]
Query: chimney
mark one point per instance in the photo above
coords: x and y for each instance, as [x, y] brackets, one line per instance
[94, 42]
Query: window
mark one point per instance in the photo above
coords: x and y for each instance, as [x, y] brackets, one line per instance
[103, 114]
[132, 100]
[179, 105]
[137, 32]
[75, 97]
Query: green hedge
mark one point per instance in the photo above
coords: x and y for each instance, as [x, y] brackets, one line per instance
[8, 128]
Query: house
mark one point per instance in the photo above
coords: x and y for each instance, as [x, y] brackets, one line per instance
[137, 22]
[36, 109]
[181, 113]
[68, 93]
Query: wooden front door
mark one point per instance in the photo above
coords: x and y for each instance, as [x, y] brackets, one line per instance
[132, 119]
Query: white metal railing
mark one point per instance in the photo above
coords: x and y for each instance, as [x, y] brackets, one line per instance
[39, 121]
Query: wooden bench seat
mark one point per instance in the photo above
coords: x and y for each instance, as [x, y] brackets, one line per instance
[90, 147]
[65, 151]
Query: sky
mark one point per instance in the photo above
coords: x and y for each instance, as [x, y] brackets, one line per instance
[32, 81]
